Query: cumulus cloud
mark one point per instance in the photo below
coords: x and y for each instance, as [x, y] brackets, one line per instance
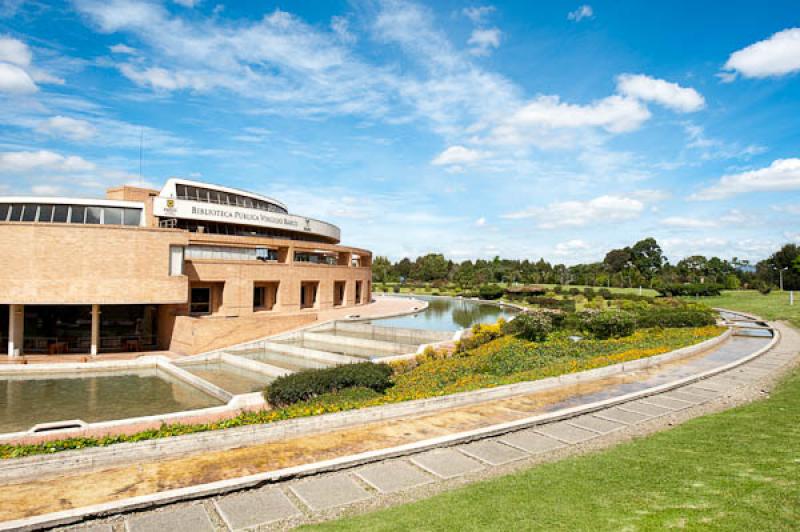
[15, 80]
[457, 155]
[70, 128]
[781, 175]
[776, 56]
[584, 11]
[672, 95]
[15, 52]
[482, 41]
[615, 114]
[21, 162]
[602, 209]
[17, 74]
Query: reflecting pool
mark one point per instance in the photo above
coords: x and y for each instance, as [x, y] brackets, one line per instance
[30, 400]
[449, 314]
[230, 378]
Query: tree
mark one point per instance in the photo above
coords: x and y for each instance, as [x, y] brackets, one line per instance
[431, 267]
[648, 257]
[381, 269]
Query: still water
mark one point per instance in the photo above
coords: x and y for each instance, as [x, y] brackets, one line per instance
[230, 378]
[27, 401]
[449, 314]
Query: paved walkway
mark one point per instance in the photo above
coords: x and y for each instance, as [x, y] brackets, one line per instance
[395, 480]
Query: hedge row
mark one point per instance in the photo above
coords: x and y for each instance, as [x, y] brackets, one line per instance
[691, 289]
[311, 383]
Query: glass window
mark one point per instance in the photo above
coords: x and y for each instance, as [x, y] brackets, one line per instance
[132, 217]
[112, 216]
[259, 297]
[191, 193]
[248, 202]
[16, 212]
[78, 214]
[45, 213]
[239, 201]
[60, 213]
[200, 301]
[29, 214]
[93, 215]
[4, 212]
[180, 191]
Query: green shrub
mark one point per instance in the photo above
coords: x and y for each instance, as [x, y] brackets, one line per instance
[567, 305]
[396, 289]
[678, 317]
[763, 288]
[491, 291]
[557, 289]
[311, 383]
[606, 294]
[690, 289]
[609, 324]
[589, 293]
[574, 291]
[531, 326]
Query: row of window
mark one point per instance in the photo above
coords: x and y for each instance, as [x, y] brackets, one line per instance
[219, 197]
[230, 253]
[265, 296]
[331, 259]
[74, 214]
[214, 228]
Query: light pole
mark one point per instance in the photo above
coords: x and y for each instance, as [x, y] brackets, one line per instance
[780, 274]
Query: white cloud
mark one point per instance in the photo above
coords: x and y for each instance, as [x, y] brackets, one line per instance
[15, 52]
[584, 11]
[616, 114]
[570, 247]
[480, 222]
[776, 56]
[46, 190]
[163, 79]
[341, 27]
[15, 80]
[20, 162]
[187, 3]
[483, 40]
[672, 95]
[478, 14]
[650, 195]
[122, 49]
[686, 222]
[70, 128]
[457, 155]
[711, 148]
[602, 209]
[781, 175]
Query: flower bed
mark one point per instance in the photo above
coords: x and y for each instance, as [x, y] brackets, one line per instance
[500, 361]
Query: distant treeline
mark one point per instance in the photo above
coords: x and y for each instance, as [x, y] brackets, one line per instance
[642, 264]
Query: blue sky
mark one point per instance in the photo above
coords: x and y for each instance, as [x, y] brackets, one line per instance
[520, 129]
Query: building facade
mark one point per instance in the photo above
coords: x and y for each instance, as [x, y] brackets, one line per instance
[189, 268]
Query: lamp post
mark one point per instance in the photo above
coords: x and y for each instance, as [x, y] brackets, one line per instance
[780, 274]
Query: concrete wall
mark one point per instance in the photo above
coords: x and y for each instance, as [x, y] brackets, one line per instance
[190, 335]
[86, 264]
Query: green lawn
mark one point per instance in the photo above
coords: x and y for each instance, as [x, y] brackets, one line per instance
[774, 306]
[737, 470]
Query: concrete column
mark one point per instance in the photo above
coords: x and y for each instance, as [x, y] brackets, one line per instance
[95, 329]
[16, 329]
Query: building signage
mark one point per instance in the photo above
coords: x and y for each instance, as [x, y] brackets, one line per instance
[195, 210]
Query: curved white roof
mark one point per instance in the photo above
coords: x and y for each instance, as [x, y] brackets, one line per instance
[168, 190]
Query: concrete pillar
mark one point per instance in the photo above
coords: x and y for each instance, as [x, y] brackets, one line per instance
[95, 329]
[16, 329]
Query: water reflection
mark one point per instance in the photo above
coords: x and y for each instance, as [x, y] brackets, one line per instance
[449, 314]
[24, 402]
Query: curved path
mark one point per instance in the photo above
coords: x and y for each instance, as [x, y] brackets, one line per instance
[461, 444]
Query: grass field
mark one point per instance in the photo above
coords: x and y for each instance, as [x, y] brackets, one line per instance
[737, 470]
[774, 306]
